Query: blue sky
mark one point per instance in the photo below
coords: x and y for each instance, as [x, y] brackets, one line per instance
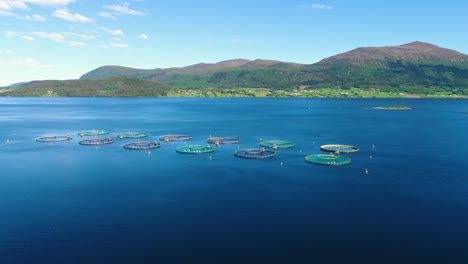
[63, 39]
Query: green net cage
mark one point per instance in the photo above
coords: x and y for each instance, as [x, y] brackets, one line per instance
[195, 149]
[223, 140]
[93, 132]
[167, 138]
[132, 135]
[328, 159]
[96, 141]
[143, 145]
[276, 144]
[53, 138]
[338, 148]
[255, 153]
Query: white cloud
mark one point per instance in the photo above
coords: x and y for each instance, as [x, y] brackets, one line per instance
[143, 36]
[29, 63]
[52, 36]
[65, 15]
[108, 15]
[76, 43]
[33, 18]
[6, 51]
[9, 34]
[49, 2]
[73, 34]
[26, 37]
[6, 13]
[319, 6]
[118, 45]
[124, 9]
[116, 32]
[12, 4]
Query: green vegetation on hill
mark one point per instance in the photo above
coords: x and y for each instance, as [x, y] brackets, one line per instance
[118, 86]
[407, 70]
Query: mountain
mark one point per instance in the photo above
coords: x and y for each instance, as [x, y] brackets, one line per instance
[416, 67]
[116, 86]
[15, 85]
[416, 52]
[409, 67]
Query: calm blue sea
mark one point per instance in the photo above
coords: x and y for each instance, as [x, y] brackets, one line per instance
[67, 203]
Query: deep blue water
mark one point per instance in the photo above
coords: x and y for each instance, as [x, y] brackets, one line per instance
[67, 203]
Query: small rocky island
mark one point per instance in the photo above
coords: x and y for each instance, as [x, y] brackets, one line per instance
[392, 107]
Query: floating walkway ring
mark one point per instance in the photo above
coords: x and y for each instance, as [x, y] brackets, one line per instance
[223, 140]
[168, 138]
[328, 159]
[53, 138]
[96, 141]
[276, 144]
[195, 149]
[255, 153]
[132, 135]
[143, 145]
[93, 132]
[337, 148]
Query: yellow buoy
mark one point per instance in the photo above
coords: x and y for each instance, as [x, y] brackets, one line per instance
[275, 147]
[337, 151]
[217, 143]
[370, 157]
[367, 171]
[149, 152]
[166, 140]
[373, 146]
[211, 157]
[281, 163]
[80, 134]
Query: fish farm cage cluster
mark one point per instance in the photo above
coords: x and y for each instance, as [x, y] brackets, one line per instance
[268, 148]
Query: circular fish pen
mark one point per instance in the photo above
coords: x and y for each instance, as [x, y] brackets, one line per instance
[132, 135]
[195, 149]
[92, 132]
[167, 138]
[255, 153]
[223, 140]
[53, 138]
[328, 159]
[96, 141]
[337, 148]
[143, 145]
[276, 144]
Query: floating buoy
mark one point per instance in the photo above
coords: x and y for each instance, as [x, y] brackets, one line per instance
[149, 152]
[367, 171]
[337, 151]
[373, 146]
[211, 157]
[370, 157]
[80, 134]
[274, 147]
[7, 141]
[300, 151]
[166, 140]
[281, 163]
[217, 143]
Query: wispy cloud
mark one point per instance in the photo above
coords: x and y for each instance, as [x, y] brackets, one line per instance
[6, 51]
[106, 14]
[76, 43]
[49, 35]
[65, 15]
[33, 18]
[318, 6]
[29, 63]
[116, 32]
[143, 36]
[118, 45]
[28, 38]
[10, 34]
[124, 9]
[12, 4]
[49, 2]
[76, 35]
